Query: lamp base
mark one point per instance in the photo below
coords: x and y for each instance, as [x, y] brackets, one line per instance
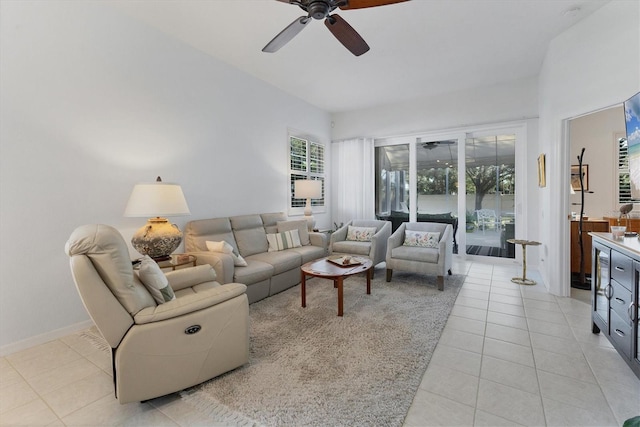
[157, 238]
[311, 221]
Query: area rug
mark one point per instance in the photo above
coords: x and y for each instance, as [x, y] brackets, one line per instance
[309, 367]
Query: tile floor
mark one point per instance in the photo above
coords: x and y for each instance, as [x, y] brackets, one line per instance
[509, 355]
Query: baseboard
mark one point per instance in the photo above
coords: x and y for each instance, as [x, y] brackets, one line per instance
[43, 338]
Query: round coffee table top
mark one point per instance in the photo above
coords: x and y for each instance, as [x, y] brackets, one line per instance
[331, 266]
[524, 242]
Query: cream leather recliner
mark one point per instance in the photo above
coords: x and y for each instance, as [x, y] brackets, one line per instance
[157, 349]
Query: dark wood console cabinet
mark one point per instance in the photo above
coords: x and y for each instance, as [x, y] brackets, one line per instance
[615, 294]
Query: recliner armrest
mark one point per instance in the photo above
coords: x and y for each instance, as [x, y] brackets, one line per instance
[221, 263]
[319, 239]
[187, 277]
[190, 303]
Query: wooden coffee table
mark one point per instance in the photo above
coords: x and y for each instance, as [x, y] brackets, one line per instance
[329, 270]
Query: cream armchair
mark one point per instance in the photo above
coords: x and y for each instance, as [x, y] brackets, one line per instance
[375, 249]
[157, 349]
[417, 259]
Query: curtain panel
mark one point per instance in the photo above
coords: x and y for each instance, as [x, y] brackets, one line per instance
[353, 180]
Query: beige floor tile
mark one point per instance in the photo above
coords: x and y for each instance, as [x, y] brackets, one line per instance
[506, 333]
[508, 351]
[539, 295]
[451, 384]
[485, 419]
[475, 287]
[566, 346]
[43, 359]
[505, 299]
[507, 320]
[499, 307]
[510, 374]
[469, 293]
[547, 316]
[181, 412]
[623, 401]
[430, 409]
[79, 394]
[542, 305]
[63, 376]
[461, 340]
[572, 392]
[484, 280]
[607, 365]
[510, 403]
[18, 394]
[466, 325]
[149, 417]
[472, 302]
[563, 415]
[568, 366]
[469, 312]
[506, 291]
[561, 330]
[457, 359]
[105, 412]
[9, 376]
[34, 413]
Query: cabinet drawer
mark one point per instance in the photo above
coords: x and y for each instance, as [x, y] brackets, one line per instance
[620, 300]
[621, 334]
[622, 269]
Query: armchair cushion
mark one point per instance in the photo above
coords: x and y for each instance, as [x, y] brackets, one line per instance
[360, 234]
[155, 281]
[425, 239]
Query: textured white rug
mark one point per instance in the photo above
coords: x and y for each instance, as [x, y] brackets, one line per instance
[309, 367]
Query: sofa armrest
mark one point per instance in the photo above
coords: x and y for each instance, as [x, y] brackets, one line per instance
[187, 277]
[221, 263]
[190, 303]
[319, 239]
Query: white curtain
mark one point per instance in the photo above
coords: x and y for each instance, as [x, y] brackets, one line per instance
[353, 180]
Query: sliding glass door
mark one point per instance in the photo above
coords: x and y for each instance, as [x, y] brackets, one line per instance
[468, 181]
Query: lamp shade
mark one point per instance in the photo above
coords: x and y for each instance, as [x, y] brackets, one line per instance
[156, 199]
[308, 189]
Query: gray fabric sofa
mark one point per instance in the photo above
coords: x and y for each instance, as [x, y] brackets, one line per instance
[266, 273]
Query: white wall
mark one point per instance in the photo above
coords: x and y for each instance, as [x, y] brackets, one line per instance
[94, 102]
[515, 100]
[593, 65]
[597, 133]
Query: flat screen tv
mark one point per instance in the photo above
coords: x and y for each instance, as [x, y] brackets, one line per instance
[632, 124]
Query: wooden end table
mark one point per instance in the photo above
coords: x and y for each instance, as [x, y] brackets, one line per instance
[326, 269]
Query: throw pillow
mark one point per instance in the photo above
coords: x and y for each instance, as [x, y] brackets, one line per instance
[424, 239]
[226, 248]
[299, 224]
[285, 240]
[155, 281]
[360, 234]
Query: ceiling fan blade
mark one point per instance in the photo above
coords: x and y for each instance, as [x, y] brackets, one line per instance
[346, 35]
[360, 4]
[287, 34]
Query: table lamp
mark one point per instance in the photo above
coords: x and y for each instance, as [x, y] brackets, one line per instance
[157, 238]
[308, 189]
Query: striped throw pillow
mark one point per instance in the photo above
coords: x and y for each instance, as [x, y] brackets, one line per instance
[285, 240]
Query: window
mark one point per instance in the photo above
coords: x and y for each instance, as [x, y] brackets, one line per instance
[624, 180]
[306, 161]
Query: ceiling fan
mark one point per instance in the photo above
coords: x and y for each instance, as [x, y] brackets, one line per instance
[433, 144]
[321, 9]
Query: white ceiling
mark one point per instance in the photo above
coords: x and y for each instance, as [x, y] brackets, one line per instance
[419, 48]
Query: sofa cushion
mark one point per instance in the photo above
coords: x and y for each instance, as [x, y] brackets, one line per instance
[281, 261]
[285, 240]
[350, 247]
[309, 252]
[199, 231]
[425, 239]
[299, 224]
[255, 271]
[360, 234]
[249, 234]
[225, 248]
[270, 221]
[155, 281]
